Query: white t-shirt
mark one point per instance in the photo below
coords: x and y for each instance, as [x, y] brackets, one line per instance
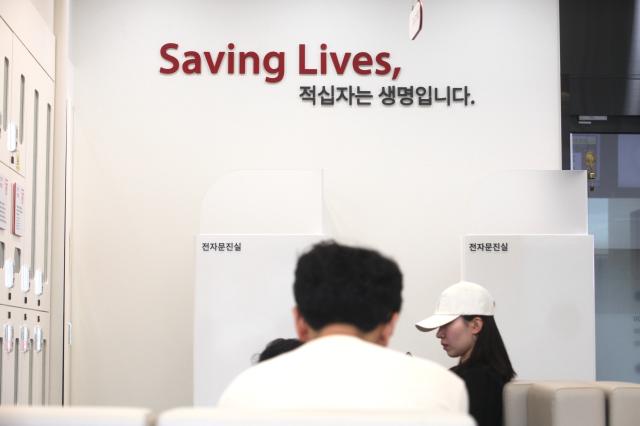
[340, 372]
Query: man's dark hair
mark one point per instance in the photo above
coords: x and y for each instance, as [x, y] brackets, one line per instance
[350, 285]
[278, 347]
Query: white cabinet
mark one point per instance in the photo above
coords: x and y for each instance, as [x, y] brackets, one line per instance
[26, 140]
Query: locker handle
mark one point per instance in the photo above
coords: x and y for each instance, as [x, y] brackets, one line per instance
[24, 339]
[69, 331]
[22, 108]
[24, 278]
[38, 284]
[5, 94]
[12, 137]
[37, 335]
[8, 273]
[8, 338]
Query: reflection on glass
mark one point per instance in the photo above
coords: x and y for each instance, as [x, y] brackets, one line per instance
[614, 220]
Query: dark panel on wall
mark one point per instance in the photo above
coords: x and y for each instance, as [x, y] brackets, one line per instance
[598, 38]
[600, 67]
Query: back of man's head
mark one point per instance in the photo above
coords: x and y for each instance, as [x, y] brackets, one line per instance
[337, 284]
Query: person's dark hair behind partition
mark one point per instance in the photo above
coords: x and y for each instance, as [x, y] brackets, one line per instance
[350, 285]
[277, 347]
[489, 349]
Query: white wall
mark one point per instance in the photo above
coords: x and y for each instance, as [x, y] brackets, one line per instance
[148, 146]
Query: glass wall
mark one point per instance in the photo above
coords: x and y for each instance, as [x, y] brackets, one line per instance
[613, 165]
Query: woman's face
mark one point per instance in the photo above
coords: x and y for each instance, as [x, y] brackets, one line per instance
[459, 336]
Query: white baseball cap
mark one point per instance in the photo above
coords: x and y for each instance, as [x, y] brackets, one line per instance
[463, 298]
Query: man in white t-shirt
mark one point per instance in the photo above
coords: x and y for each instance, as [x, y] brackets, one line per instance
[348, 300]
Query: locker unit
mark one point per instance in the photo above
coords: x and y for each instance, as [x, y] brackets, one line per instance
[25, 178]
[25, 357]
[26, 141]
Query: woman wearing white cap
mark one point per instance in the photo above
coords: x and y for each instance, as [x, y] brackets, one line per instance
[467, 329]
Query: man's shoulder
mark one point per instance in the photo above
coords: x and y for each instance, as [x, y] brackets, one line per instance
[426, 366]
[399, 363]
[356, 365]
[366, 354]
[246, 387]
[410, 361]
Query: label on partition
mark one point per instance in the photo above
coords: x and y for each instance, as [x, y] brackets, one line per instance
[4, 202]
[18, 210]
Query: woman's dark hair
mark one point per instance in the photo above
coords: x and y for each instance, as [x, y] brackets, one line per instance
[278, 347]
[489, 348]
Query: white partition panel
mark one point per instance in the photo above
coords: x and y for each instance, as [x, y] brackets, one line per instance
[529, 202]
[528, 245]
[543, 286]
[254, 225]
[244, 299]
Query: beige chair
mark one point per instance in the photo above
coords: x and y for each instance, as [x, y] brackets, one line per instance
[565, 404]
[73, 416]
[220, 417]
[560, 403]
[623, 403]
[515, 403]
